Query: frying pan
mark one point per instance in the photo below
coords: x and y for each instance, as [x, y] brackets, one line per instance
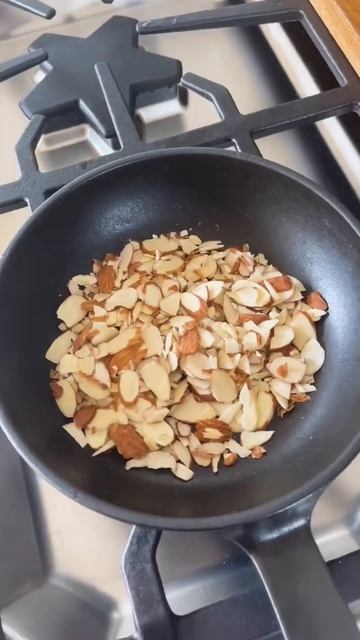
[264, 505]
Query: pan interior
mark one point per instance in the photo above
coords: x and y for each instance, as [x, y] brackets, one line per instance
[217, 196]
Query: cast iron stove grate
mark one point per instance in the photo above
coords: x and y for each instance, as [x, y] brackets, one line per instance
[33, 187]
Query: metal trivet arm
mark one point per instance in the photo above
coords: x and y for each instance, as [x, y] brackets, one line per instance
[33, 6]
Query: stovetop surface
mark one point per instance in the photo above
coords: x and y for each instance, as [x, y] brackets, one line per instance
[63, 562]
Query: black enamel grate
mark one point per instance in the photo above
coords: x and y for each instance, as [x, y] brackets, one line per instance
[235, 128]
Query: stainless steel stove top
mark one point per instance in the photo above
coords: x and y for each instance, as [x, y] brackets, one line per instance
[60, 564]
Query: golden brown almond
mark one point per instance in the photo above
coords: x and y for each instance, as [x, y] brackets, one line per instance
[280, 283]
[300, 397]
[56, 390]
[316, 301]
[213, 429]
[84, 415]
[257, 318]
[189, 342]
[229, 459]
[257, 452]
[128, 357]
[128, 442]
[106, 279]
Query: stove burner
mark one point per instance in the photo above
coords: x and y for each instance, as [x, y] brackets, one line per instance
[70, 93]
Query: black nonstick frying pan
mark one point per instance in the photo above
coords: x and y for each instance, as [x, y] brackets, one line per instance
[264, 505]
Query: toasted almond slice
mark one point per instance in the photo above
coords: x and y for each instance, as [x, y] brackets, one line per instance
[76, 434]
[92, 387]
[201, 458]
[315, 300]
[255, 438]
[103, 418]
[182, 472]
[169, 264]
[265, 409]
[169, 286]
[153, 460]
[303, 328]
[181, 453]
[229, 458]
[206, 338]
[104, 335]
[156, 379]
[162, 244]
[60, 346]
[129, 386]
[288, 369]
[122, 298]
[101, 375]
[96, 439]
[191, 411]
[153, 340]
[156, 434]
[66, 402]
[68, 364]
[235, 447]
[152, 295]
[223, 387]
[283, 335]
[314, 355]
[124, 262]
[280, 387]
[280, 283]
[212, 448]
[200, 290]
[210, 245]
[106, 447]
[215, 287]
[71, 310]
[193, 304]
[196, 365]
[121, 341]
[170, 304]
[246, 296]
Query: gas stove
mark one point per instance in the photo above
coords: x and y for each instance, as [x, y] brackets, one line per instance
[60, 564]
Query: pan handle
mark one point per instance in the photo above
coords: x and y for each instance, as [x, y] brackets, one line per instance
[296, 578]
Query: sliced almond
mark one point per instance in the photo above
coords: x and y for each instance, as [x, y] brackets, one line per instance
[255, 438]
[66, 402]
[304, 329]
[91, 387]
[129, 386]
[60, 346]
[283, 335]
[71, 310]
[181, 453]
[153, 340]
[194, 305]
[162, 244]
[223, 387]
[191, 411]
[265, 409]
[182, 472]
[170, 304]
[170, 264]
[156, 379]
[123, 298]
[76, 434]
[314, 356]
[288, 369]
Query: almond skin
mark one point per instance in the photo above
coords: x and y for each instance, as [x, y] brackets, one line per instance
[207, 430]
[280, 283]
[106, 279]
[189, 342]
[229, 459]
[316, 301]
[257, 452]
[128, 442]
[56, 390]
[257, 318]
[83, 416]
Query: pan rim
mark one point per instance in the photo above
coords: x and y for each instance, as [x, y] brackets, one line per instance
[171, 522]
